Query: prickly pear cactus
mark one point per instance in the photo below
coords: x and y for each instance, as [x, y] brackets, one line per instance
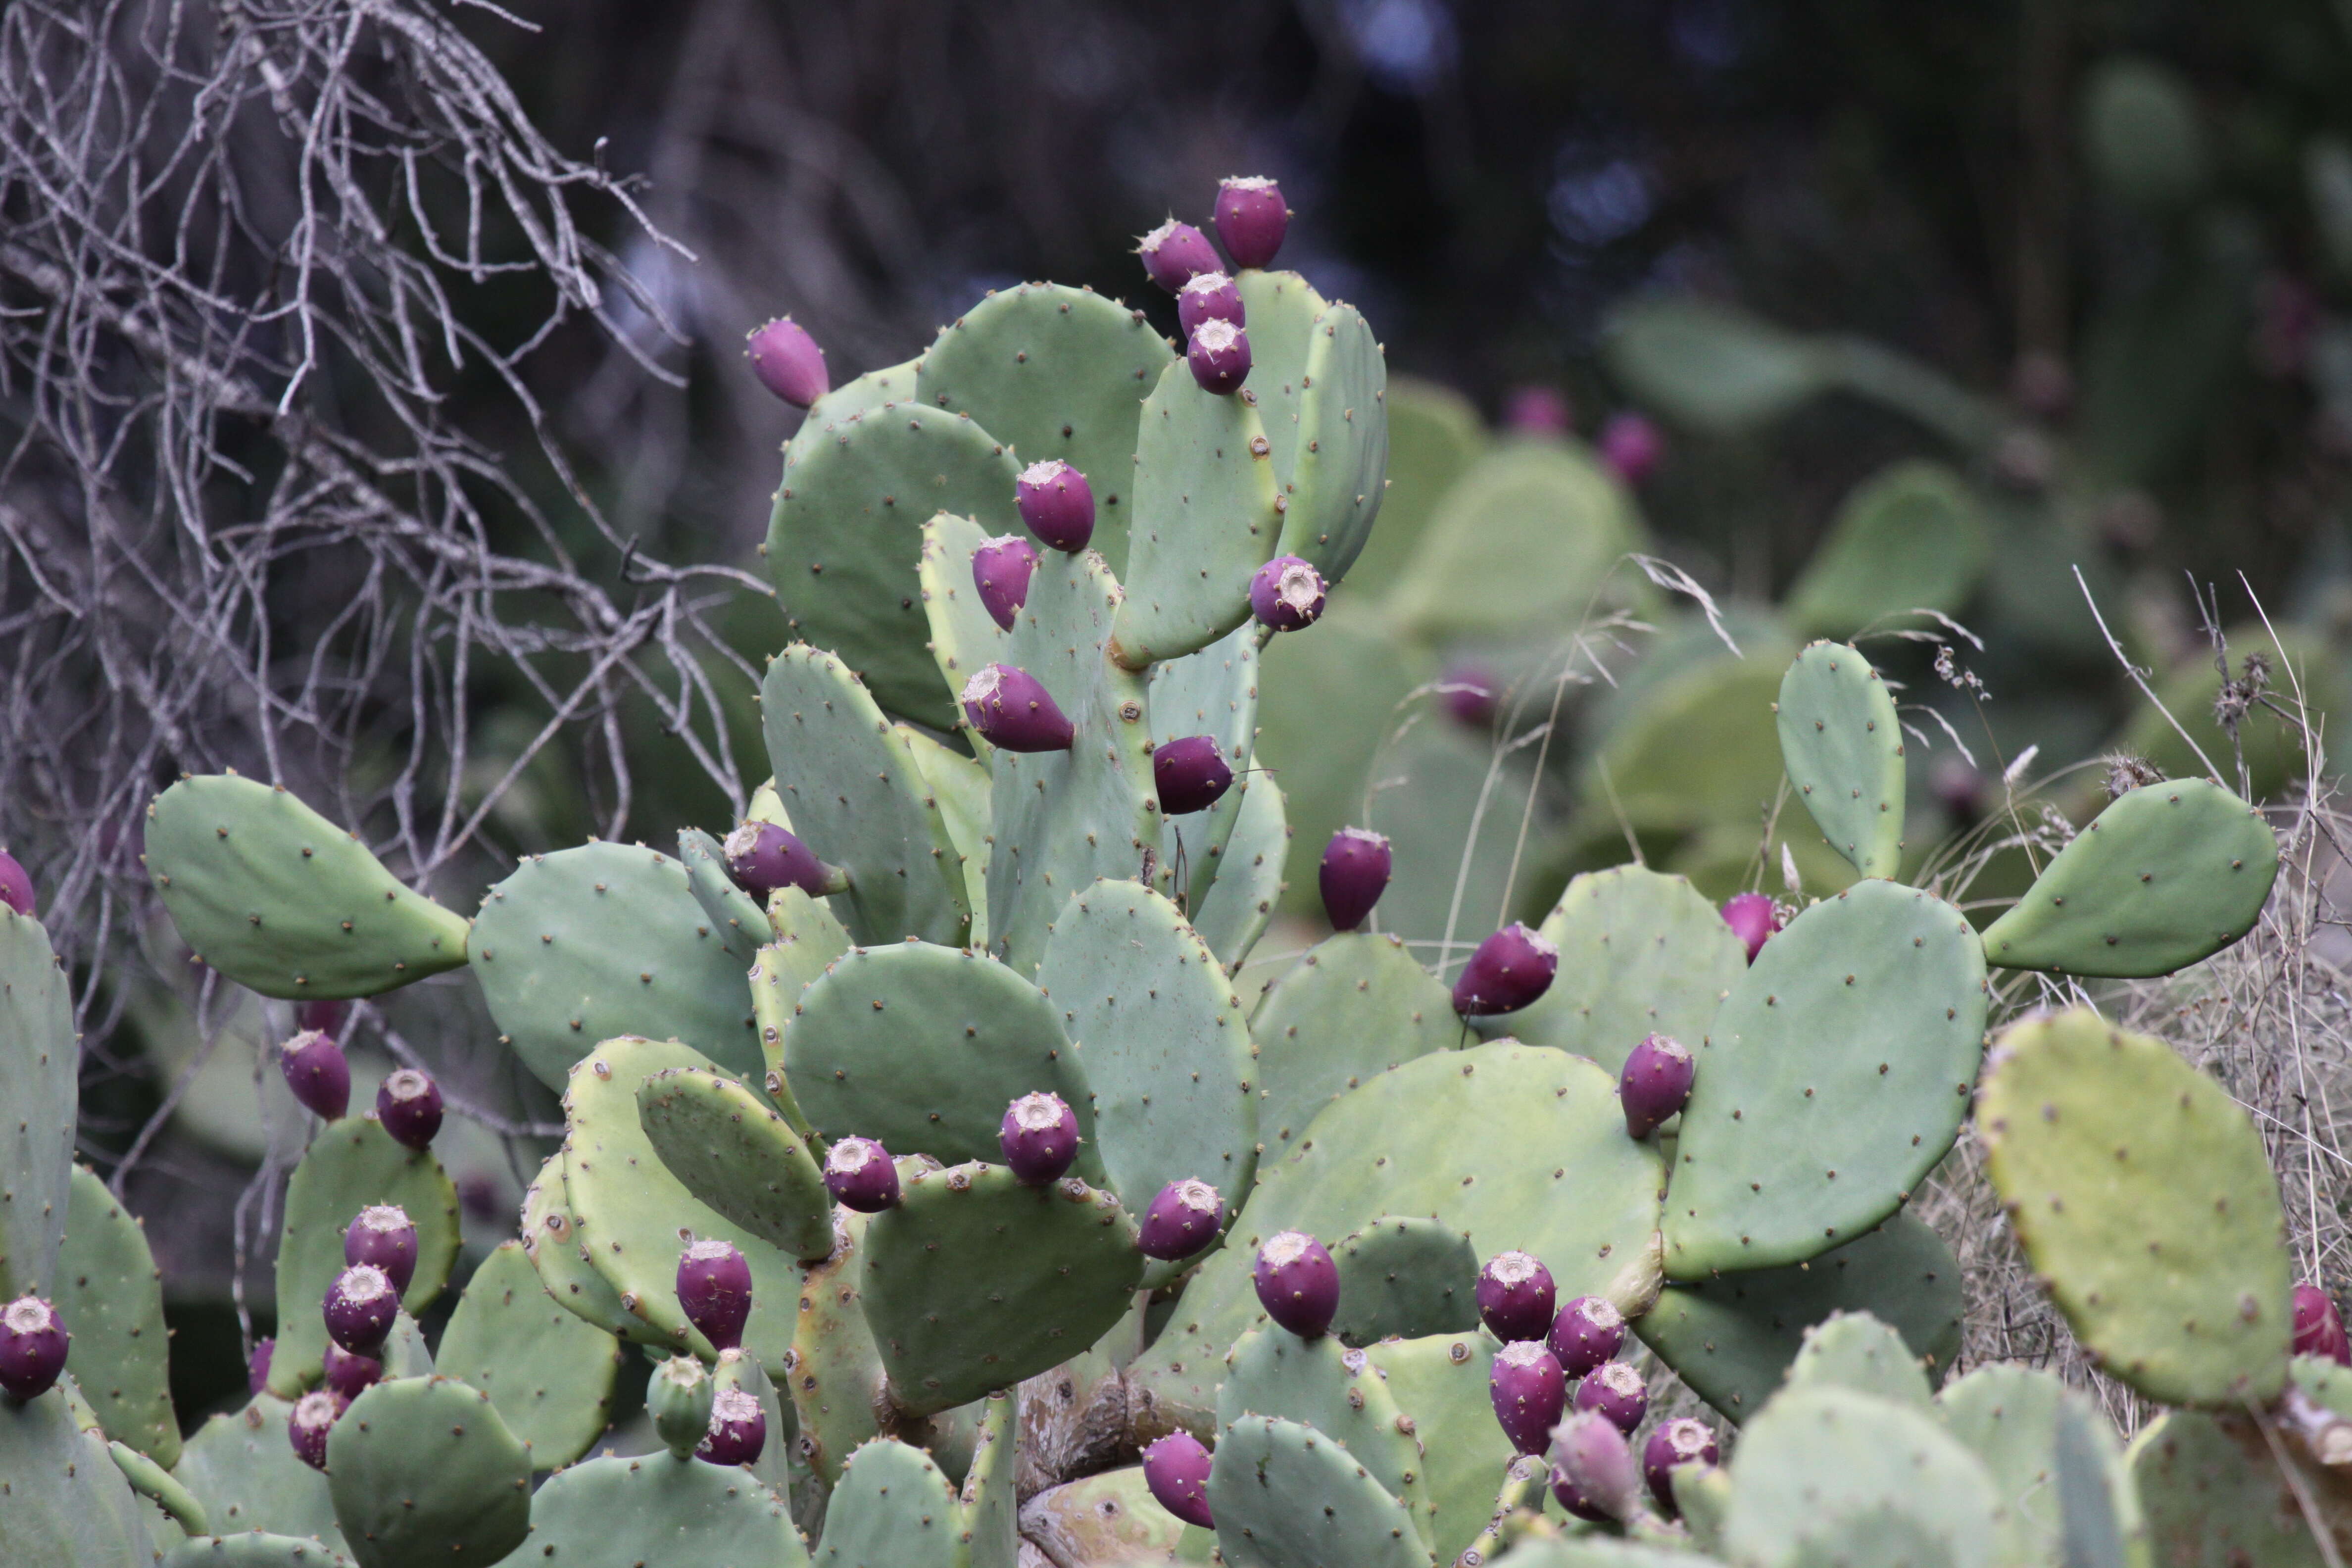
[1844, 754]
[39, 1064]
[422, 1471]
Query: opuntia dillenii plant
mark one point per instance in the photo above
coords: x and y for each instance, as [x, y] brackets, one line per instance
[1219, 352]
[360, 1308]
[739, 1429]
[1176, 1469]
[1752, 919]
[1251, 219]
[1039, 1138]
[1516, 1298]
[1211, 297]
[1592, 1471]
[33, 1345]
[1184, 1217]
[408, 1103]
[764, 858]
[714, 1290]
[1056, 504]
[1530, 1393]
[1586, 1332]
[1679, 1442]
[1175, 253]
[1012, 709]
[310, 1423]
[1654, 1085]
[860, 1174]
[1616, 1390]
[1001, 570]
[1297, 1283]
[1287, 594]
[1354, 873]
[788, 361]
[16, 885]
[318, 1073]
[1189, 774]
[1510, 970]
[679, 1397]
[381, 1235]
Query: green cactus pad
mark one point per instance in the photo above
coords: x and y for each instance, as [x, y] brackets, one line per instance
[859, 799]
[40, 1061]
[847, 534]
[657, 1509]
[1440, 1382]
[1205, 519]
[1333, 468]
[1844, 750]
[1232, 920]
[551, 1239]
[605, 940]
[351, 1164]
[630, 1211]
[2098, 1506]
[1703, 1496]
[1109, 1516]
[2215, 1497]
[112, 1296]
[2144, 1200]
[850, 400]
[836, 1372]
[157, 1485]
[892, 1508]
[1549, 1169]
[279, 899]
[1818, 1462]
[1054, 371]
[2169, 874]
[964, 636]
[1732, 1338]
[1641, 952]
[1855, 1349]
[1830, 1082]
[1403, 1279]
[1213, 692]
[732, 914]
[252, 1550]
[924, 1047]
[739, 1157]
[424, 1472]
[1282, 309]
[809, 939]
[990, 1509]
[62, 1501]
[1356, 1006]
[960, 788]
[549, 1372]
[1910, 537]
[242, 1468]
[1321, 1383]
[1162, 1042]
[975, 1282]
[2011, 1418]
[775, 1467]
[1285, 1496]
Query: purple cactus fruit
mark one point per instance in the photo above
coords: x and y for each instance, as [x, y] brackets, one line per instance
[33, 1343]
[1039, 1136]
[1211, 297]
[1250, 220]
[1537, 411]
[1219, 353]
[788, 361]
[2318, 1329]
[1509, 971]
[714, 1290]
[1681, 1442]
[1515, 1298]
[1297, 1283]
[352, 1375]
[1530, 1391]
[1287, 594]
[1183, 1218]
[16, 885]
[1001, 570]
[1592, 1468]
[1176, 1469]
[256, 1365]
[1655, 1083]
[318, 1073]
[327, 1017]
[1354, 873]
[381, 1235]
[762, 858]
[1175, 253]
[1616, 1390]
[1631, 446]
[1586, 1333]
[1056, 504]
[860, 1175]
[360, 1307]
[1751, 920]
[1013, 711]
[408, 1103]
[739, 1429]
[1189, 774]
[1473, 695]
[313, 1416]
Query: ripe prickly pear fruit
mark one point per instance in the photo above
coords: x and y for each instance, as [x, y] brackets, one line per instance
[16, 885]
[1001, 570]
[788, 361]
[1219, 353]
[381, 1234]
[1530, 1391]
[1209, 297]
[714, 1290]
[860, 1175]
[1616, 1390]
[762, 858]
[1056, 504]
[1013, 711]
[360, 1307]
[1175, 253]
[2318, 1329]
[1592, 1469]
[1189, 774]
[1039, 1136]
[1515, 1298]
[1183, 1218]
[408, 1103]
[737, 1431]
[1251, 219]
[1587, 1332]
[1655, 1083]
[313, 1416]
[318, 1073]
[1682, 1442]
[352, 1375]
[1510, 970]
[1287, 594]
[1176, 1469]
[33, 1343]
[1750, 918]
[1632, 444]
[256, 1365]
[1297, 1283]
[1354, 873]
[679, 1396]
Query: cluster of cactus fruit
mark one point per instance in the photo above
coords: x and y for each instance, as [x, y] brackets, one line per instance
[916, 1133]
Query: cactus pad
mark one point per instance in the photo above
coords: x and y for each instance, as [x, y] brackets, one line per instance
[1282, 308]
[1820, 1465]
[2144, 1200]
[989, 1508]
[809, 939]
[1319, 1383]
[1109, 1516]
[62, 1501]
[40, 1064]
[738, 1156]
[242, 1469]
[2169, 874]
[836, 1372]
[959, 787]
[252, 1550]
[1212, 692]
[2214, 1496]
[279, 899]
[111, 1297]
[1285, 1496]
[1843, 751]
[657, 1509]
[2014, 1418]
[1832, 1080]
[965, 637]
[1911, 537]
[1855, 1349]
[892, 1508]
[1232, 921]
[1403, 1278]
[424, 1472]
[551, 1239]
[733, 916]
[1355, 1006]
[1440, 1382]
[1334, 468]
[157, 1485]
[850, 400]
[602, 940]
[549, 1372]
